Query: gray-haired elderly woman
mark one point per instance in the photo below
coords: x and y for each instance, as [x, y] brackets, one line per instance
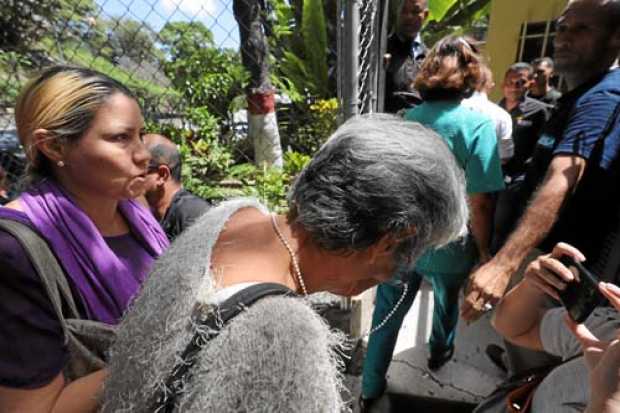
[376, 195]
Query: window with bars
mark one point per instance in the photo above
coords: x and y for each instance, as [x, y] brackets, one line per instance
[535, 40]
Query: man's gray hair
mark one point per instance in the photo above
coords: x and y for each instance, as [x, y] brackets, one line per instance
[379, 175]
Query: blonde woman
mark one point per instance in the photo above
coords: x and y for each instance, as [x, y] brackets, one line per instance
[82, 133]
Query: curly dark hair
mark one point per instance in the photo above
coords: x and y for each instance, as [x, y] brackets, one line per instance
[451, 70]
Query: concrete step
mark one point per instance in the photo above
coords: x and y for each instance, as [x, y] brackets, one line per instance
[458, 385]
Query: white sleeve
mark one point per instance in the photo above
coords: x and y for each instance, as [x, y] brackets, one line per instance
[504, 136]
[556, 339]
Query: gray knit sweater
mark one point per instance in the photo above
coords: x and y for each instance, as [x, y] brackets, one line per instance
[278, 356]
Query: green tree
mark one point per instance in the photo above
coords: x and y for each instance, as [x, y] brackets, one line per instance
[181, 40]
[205, 75]
[23, 23]
[301, 42]
[132, 38]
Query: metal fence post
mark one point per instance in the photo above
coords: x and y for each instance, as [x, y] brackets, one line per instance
[351, 55]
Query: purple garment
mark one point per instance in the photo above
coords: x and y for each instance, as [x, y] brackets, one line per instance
[104, 281]
[29, 324]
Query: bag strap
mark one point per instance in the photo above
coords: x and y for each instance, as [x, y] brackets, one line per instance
[206, 329]
[47, 267]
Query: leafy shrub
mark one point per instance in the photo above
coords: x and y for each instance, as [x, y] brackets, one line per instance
[209, 169]
[308, 126]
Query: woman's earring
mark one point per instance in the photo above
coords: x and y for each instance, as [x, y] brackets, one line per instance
[60, 164]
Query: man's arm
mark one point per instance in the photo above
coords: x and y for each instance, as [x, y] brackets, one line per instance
[482, 206]
[488, 283]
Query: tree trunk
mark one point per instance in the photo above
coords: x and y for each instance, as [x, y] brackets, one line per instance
[262, 121]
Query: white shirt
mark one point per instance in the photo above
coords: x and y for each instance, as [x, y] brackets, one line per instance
[502, 120]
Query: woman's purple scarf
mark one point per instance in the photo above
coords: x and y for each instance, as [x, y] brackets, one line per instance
[103, 281]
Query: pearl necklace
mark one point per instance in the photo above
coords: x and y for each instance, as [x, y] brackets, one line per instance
[391, 313]
[291, 253]
[303, 285]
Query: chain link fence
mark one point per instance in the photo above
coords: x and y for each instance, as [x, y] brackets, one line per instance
[360, 33]
[183, 59]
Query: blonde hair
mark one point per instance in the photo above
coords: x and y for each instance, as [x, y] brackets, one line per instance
[62, 100]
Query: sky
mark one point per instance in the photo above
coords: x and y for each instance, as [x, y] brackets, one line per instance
[217, 15]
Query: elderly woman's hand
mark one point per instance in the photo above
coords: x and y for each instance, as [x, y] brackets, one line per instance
[548, 274]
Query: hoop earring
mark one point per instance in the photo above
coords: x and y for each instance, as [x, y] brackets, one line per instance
[60, 164]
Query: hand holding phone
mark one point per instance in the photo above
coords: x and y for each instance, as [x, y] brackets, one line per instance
[581, 296]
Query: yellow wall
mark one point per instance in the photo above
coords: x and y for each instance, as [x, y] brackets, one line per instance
[507, 16]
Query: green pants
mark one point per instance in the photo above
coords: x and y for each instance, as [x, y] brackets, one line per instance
[381, 343]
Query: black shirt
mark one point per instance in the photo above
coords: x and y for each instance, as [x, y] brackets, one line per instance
[550, 98]
[400, 74]
[184, 209]
[528, 119]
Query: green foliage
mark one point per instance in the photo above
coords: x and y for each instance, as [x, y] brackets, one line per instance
[315, 44]
[25, 22]
[204, 74]
[438, 8]
[294, 162]
[319, 121]
[11, 64]
[150, 94]
[208, 168]
[456, 17]
[133, 39]
[183, 39]
[300, 49]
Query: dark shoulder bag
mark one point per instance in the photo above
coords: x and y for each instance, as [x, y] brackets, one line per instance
[515, 395]
[87, 341]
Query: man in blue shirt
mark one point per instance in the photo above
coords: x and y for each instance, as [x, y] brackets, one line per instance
[574, 174]
[405, 52]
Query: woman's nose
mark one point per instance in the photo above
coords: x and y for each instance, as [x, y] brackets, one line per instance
[142, 156]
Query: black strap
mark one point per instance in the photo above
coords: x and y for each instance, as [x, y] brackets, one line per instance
[527, 376]
[206, 329]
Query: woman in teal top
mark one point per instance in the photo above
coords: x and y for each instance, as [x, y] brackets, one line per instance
[450, 73]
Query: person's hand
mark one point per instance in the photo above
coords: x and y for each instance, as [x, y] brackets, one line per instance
[548, 274]
[603, 361]
[612, 293]
[487, 285]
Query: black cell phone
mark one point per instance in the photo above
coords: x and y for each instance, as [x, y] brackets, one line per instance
[582, 295]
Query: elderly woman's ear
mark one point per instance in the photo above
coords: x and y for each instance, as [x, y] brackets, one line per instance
[388, 243]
